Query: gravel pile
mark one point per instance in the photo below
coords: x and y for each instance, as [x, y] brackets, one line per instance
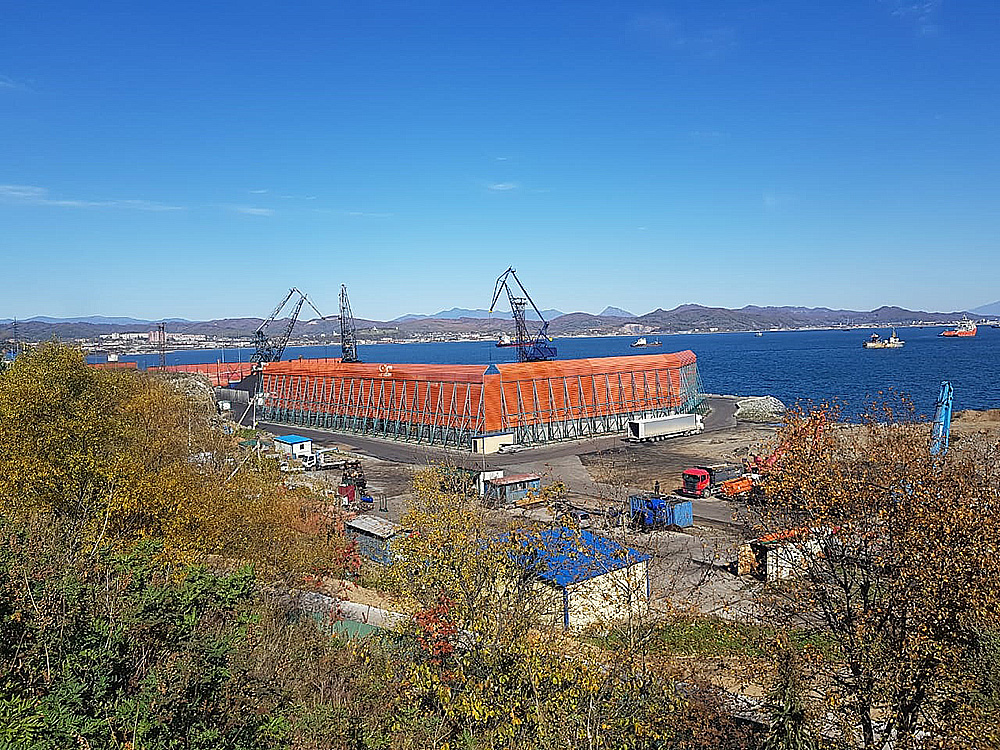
[195, 387]
[760, 409]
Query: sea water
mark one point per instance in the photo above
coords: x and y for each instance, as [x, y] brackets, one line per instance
[794, 366]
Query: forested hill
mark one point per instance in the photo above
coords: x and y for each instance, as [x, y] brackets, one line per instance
[681, 318]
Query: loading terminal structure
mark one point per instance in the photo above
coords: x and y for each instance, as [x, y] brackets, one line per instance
[448, 405]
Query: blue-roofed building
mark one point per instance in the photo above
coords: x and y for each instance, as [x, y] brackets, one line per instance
[589, 578]
[294, 446]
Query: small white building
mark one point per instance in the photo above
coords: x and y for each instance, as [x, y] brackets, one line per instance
[587, 579]
[293, 446]
[491, 442]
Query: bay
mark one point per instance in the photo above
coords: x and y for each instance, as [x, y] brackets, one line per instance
[790, 365]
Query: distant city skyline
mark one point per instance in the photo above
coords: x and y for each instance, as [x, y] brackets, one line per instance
[193, 161]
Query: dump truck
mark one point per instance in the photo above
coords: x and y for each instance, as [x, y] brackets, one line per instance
[703, 481]
[660, 428]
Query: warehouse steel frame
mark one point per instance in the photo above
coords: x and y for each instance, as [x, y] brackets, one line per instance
[537, 402]
[541, 420]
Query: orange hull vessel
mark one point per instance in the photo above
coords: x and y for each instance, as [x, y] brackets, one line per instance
[964, 328]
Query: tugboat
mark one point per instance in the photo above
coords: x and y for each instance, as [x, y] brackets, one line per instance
[877, 342]
[506, 340]
[641, 343]
[964, 328]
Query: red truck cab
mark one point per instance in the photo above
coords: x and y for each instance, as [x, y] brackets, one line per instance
[697, 483]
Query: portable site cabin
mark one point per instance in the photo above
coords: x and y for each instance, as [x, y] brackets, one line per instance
[781, 555]
[293, 446]
[510, 490]
[588, 578]
[491, 442]
[374, 536]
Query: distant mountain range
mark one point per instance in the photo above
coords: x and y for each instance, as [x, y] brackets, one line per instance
[98, 320]
[616, 312]
[457, 313]
[458, 322]
[991, 309]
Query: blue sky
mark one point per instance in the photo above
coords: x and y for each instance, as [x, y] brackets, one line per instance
[197, 159]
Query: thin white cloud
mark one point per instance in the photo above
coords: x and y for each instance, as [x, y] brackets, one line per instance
[252, 210]
[921, 13]
[33, 195]
[502, 158]
[502, 186]
[6, 83]
[355, 214]
[257, 192]
[772, 201]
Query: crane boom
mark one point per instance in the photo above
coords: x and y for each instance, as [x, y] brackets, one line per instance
[348, 330]
[529, 349]
[266, 350]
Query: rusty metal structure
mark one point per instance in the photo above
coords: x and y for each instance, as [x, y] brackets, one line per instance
[446, 405]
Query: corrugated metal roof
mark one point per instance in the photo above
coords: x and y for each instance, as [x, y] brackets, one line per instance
[514, 479]
[497, 398]
[559, 368]
[292, 439]
[565, 556]
[380, 527]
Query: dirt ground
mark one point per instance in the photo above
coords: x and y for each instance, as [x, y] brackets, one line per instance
[969, 422]
[643, 464]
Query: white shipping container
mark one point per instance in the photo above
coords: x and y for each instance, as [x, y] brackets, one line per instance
[656, 428]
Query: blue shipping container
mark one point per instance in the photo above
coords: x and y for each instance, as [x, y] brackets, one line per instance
[681, 514]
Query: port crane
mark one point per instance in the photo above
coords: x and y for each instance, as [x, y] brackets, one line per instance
[348, 331]
[529, 349]
[270, 350]
[941, 427]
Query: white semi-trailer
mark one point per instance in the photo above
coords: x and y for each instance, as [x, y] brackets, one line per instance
[658, 428]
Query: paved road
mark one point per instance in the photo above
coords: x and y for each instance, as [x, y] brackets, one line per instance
[556, 461]
[720, 417]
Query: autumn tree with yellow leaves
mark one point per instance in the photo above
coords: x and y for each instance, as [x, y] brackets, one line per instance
[893, 557]
[493, 666]
[117, 456]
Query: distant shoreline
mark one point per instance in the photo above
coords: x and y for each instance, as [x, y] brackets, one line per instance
[464, 340]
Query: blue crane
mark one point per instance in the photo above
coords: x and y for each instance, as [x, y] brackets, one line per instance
[942, 420]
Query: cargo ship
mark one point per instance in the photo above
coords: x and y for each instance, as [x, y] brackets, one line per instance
[506, 340]
[965, 327]
[877, 342]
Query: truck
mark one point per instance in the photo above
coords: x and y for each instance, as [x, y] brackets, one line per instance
[703, 481]
[658, 511]
[324, 458]
[660, 428]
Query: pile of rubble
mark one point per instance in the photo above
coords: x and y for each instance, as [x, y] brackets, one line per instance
[195, 387]
[760, 409]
